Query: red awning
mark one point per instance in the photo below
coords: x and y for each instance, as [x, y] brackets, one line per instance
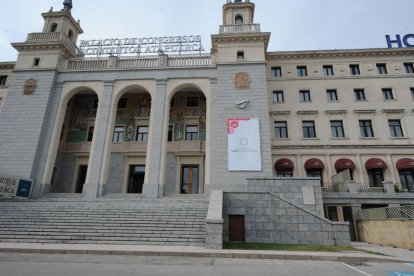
[375, 163]
[405, 163]
[284, 164]
[344, 163]
[314, 163]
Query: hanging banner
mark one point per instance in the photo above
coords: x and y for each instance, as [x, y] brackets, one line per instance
[244, 145]
[11, 186]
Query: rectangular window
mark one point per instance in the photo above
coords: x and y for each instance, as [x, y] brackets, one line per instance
[395, 128]
[387, 93]
[278, 97]
[328, 70]
[308, 128]
[382, 68]
[170, 133]
[3, 80]
[191, 133]
[90, 134]
[240, 54]
[192, 101]
[337, 129]
[118, 136]
[276, 72]
[365, 127]
[409, 68]
[304, 96]
[354, 68]
[412, 92]
[281, 131]
[359, 94]
[36, 62]
[332, 95]
[302, 71]
[142, 134]
[123, 103]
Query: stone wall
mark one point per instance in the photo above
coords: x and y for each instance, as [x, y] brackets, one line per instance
[282, 210]
[396, 233]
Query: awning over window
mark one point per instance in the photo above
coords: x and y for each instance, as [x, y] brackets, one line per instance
[405, 163]
[375, 163]
[314, 163]
[344, 163]
[284, 164]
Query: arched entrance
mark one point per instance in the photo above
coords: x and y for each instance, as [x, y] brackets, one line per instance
[186, 145]
[75, 139]
[130, 134]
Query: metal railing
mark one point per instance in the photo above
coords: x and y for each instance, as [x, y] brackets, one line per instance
[352, 186]
[389, 213]
[240, 28]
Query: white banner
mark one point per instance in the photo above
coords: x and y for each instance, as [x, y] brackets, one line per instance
[11, 186]
[244, 145]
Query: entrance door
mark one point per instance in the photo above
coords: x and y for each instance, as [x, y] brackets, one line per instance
[347, 212]
[236, 228]
[83, 170]
[407, 179]
[136, 179]
[189, 180]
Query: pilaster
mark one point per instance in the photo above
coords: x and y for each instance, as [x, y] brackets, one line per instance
[155, 166]
[100, 144]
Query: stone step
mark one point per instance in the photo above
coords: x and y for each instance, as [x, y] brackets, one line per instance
[117, 220]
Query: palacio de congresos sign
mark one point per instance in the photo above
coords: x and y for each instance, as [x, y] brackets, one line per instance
[145, 45]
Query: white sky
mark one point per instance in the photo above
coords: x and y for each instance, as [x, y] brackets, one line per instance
[294, 24]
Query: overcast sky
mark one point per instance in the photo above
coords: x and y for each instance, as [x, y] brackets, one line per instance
[294, 24]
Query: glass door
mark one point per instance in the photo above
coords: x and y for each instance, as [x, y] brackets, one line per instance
[189, 180]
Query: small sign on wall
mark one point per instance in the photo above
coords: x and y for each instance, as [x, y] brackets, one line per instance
[244, 145]
[11, 186]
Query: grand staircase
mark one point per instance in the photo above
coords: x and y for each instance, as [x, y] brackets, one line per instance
[178, 220]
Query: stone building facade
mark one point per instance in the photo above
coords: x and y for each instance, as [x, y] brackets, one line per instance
[157, 125]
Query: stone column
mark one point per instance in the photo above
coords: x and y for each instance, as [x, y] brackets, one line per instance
[210, 142]
[356, 213]
[154, 167]
[100, 144]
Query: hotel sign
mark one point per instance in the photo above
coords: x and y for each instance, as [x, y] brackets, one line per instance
[145, 45]
[399, 41]
[11, 186]
[244, 145]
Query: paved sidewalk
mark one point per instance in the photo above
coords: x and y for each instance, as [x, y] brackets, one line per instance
[192, 251]
[399, 253]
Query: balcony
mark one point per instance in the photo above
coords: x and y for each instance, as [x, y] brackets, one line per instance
[240, 28]
[186, 146]
[358, 188]
[53, 37]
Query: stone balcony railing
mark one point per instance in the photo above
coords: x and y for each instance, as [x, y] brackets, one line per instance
[240, 28]
[113, 62]
[54, 37]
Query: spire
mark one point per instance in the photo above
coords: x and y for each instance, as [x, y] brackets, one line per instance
[67, 5]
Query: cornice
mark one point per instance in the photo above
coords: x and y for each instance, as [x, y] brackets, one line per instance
[24, 46]
[7, 65]
[346, 53]
[240, 37]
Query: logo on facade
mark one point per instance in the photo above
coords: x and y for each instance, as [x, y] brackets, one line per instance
[29, 86]
[242, 81]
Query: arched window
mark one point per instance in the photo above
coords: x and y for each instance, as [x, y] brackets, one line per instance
[70, 34]
[375, 169]
[239, 20]
[53, 28]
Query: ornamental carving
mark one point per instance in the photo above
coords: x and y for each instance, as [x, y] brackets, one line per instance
[242, 81]
[29, 86]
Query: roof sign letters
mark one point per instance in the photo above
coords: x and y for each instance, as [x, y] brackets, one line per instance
[145, 45]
